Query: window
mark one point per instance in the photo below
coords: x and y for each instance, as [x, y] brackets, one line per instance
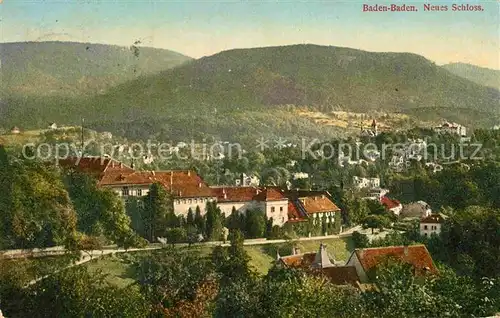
[425, 227]
[177, 201]
[283, 220]
[272, 209]
[281, 209]
[184, 201]
[190, 201]
[125, 191]
[139, 192]
[195, 200]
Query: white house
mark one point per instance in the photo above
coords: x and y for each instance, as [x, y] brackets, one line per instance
[53, 126]
[363, 183]
[247, 181]
[432, 224]
[452, 128]
[377, 194]
[270, 200]
[300, 175]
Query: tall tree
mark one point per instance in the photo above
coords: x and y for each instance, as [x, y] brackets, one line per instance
[157, 208]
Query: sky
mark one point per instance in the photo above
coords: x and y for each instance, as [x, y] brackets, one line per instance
[202, 28]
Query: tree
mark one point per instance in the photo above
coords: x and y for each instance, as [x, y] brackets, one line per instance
[375, 222]
[255, 226]
[77, 293]
[360, 240]
[190, 217]
[38, 211]
[176, 235]
[157, 207]
[214, 223]
[199, 221]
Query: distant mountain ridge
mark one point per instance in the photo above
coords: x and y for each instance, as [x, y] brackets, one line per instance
[72, 68]
[243, 92]
[480, 75]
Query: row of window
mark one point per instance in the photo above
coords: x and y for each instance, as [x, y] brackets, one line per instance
[126, 192]
[433, 227]
[191, 201]
[273, 209]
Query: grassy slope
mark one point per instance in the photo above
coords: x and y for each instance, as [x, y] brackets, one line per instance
[261, 260]
[480, 75]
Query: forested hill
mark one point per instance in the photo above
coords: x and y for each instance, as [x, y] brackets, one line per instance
[237, 92]
[479, 75]
[70, 68]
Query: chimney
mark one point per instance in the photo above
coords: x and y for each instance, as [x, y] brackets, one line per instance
[189, 173]
[153, 173]
[171, 178]
[225, 195]
[180, 193]
[121, 164]
[199, 185]
[406, 250]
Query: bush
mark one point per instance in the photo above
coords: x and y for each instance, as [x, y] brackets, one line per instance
[360, 240]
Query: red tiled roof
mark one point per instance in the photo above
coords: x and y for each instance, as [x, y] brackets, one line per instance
[417, 255]
[235, 194]
[270, 194]
[318, 204]
[389, 203]
[341, 275]
[299, 260]
[433, 218]
[293, 214]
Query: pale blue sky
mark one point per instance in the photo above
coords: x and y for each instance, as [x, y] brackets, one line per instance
[199, 28]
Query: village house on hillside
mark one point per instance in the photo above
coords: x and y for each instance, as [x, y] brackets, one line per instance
[190, 191]
[367, 259]
[452, 128]
[52, 126]
[361, 263]
[321, 263]
[365, 183]
[391, 205]
[432, 224]
[15, 130]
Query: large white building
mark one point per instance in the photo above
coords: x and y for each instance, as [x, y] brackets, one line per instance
[189, 191]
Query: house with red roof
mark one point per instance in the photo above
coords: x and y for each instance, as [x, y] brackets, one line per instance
[268, 199]
[321, 263]
[391, 205]
[315, 205]
[187, 187]
[366, 260]
[189, 191]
